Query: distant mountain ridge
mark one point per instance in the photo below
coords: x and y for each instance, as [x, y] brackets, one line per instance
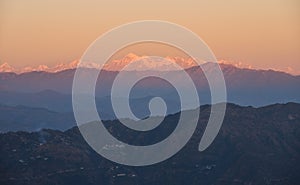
[41, 68]
[138, 63]
[244, 86]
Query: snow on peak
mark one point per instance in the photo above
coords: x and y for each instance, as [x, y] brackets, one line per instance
[133, 62]
[131, 56]
[60, 67]
[6, 68]
[129, 62]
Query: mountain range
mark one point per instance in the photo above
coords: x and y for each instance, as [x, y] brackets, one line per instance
[141, 63]
[254, 146]
[244, 86]
[259, 141]
[53, 90]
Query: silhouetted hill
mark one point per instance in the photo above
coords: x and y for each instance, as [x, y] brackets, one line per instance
[254, 146]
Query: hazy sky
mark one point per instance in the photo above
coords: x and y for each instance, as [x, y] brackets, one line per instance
[262, 33]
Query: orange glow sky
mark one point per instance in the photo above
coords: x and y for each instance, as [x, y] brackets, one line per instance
[264, 33]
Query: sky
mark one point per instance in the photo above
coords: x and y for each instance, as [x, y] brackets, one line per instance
[264, 34]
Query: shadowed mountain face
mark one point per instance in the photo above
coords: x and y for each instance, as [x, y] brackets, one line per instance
[244, 87]
[254, 146]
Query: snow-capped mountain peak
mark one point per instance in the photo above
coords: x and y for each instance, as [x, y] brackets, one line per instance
[131, 62]
[6, 68]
